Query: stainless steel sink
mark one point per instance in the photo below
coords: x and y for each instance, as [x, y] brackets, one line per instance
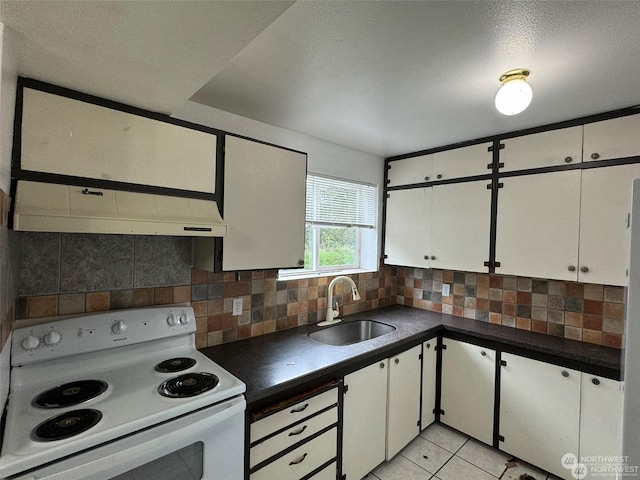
[351, 332]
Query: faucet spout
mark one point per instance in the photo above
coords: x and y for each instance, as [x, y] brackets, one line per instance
[332, 315]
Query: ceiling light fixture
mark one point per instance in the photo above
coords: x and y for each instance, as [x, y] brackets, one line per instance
[515, 93]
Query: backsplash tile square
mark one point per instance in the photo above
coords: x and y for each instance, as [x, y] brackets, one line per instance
[39, 263]
[162, 261]
[91, 263]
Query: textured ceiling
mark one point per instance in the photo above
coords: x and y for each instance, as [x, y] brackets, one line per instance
[379, 76]
[151, 54]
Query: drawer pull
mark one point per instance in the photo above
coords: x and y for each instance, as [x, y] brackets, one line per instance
[300, 409]
[300, 460]
[298, 432]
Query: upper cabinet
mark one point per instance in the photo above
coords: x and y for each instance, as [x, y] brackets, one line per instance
[538, 225]
[546, 149]
[462, 162]
[264, 206]
[69, 137]
[457, 163]
[611, 139]
[410, 170]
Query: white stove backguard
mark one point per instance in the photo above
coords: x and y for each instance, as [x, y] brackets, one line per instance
[100, 331]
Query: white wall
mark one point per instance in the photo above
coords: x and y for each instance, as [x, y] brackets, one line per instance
[323, 157]
[8, 247]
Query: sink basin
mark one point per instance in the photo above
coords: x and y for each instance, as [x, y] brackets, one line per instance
[351, 332]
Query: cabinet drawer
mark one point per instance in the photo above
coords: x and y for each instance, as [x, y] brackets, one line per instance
[291, 436]
[301, 461]
[292, 414]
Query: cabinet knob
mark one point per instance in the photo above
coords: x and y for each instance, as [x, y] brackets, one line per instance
[428, 345]
[381, 364]
[565, 374]
[301, 262]
[397, 360]
[426, 257]
[584, 269]
[426, 179]
[439, 176]
[568, 159]
[595, 156]
[572, 268]
[432, 257]
[483, 353]
[595, 381]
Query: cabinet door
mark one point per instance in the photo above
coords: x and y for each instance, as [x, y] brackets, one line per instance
[600, 423]
[468, 383]
[69, 137]
[539, 412]
[403, 411]
[264, 206]
[407, 228]
[460, 225]
[615, 138]
[604, 236]
[462, 162]
[538, 225]
[410, 170]
[545, 149]
[364, 422]
[429, 362]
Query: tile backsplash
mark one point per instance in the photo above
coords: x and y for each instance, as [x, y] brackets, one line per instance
[63, 274]
[579, 311]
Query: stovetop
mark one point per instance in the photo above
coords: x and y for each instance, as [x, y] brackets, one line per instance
[131, 401]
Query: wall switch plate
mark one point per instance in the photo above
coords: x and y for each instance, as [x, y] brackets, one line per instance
[237, 306]
[446, 289]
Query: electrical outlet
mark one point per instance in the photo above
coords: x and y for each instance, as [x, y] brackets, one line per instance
[446, 289]
[237, 306]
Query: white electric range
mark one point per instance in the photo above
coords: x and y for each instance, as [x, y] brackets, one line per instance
[117, 395]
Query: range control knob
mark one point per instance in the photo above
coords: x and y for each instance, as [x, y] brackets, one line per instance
[172, 320]
[30, 342]
[184, 319]
[52, 338]
[119, 327]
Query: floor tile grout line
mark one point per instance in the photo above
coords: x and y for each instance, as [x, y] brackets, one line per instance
[488, 473]
[479, 467]
[420, 466]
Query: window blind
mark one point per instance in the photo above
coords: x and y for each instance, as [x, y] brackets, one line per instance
[334, 202]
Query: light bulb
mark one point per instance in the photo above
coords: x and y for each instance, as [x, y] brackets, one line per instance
[513, 97]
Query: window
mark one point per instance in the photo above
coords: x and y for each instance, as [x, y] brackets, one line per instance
[340, 233]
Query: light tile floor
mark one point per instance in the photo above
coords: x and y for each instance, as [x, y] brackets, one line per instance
[441, 453]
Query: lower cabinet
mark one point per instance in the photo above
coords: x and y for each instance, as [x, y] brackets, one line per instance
[364, 427]
[403, 410]
[600, 425]
[539, 412]
[381, 411]
[468, 386]
[293, 439]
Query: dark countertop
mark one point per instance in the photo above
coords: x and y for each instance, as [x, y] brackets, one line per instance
[281, 364]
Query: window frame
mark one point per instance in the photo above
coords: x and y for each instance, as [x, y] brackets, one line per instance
[319, 271]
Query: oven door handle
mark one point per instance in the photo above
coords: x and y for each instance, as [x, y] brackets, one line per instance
[121, 456]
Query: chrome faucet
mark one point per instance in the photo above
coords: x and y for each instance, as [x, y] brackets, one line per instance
[332, 315]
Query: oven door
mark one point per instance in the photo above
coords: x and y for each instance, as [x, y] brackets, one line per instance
[207, 444]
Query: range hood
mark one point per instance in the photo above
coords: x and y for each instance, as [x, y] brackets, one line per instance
[47, 207]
